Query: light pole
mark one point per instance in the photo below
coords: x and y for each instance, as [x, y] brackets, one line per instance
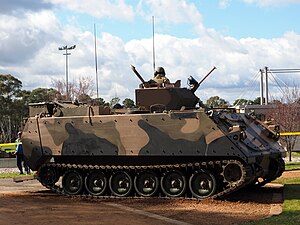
[66, 48]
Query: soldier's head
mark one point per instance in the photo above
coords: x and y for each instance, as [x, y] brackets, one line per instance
[159, 71]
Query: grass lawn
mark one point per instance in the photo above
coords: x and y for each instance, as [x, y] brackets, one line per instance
[8, 175]
[292, 166]
[291, 205]
[295, 154]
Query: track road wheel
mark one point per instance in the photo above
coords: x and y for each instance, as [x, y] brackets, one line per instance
[202, 184]
[146, 183]
[173, 183]
[120, 184]
[233, 172]
[96, 183]
[72, 182]
[48, 176]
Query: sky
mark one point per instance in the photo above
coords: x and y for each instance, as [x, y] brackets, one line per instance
[239, 37]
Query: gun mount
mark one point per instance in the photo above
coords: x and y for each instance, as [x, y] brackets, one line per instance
[154, 96]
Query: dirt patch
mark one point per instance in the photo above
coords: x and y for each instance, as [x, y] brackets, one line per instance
[47, 208]
[291, 174]
[29, 203]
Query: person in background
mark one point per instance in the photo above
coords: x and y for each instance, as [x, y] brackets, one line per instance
[20, 156]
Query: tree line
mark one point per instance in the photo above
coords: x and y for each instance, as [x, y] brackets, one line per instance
[14, 101]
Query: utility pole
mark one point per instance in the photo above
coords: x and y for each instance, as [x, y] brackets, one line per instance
[267, 86]
[261, 86]
[66, 48]
[262, 72]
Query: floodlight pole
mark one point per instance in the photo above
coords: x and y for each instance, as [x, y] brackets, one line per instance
[66, 48]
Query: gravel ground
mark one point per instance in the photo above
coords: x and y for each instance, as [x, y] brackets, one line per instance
[244, 205]
[40, 206]
[9, 170]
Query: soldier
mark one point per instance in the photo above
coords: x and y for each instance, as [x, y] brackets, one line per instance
[160, 76]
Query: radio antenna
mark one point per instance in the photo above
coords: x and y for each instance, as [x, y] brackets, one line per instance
[96, 60]
[153, 43]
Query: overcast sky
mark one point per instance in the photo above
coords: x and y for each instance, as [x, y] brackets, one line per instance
[191, 37]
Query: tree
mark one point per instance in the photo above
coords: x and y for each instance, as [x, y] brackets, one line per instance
[84, 98]
[128, 103]
[10, 114]
[42, 95]
[216, 101]
[242, 101]
[286, 114]
[257, 101]
[84, 88]
[99, 101]
[21, 107]
[114, 101]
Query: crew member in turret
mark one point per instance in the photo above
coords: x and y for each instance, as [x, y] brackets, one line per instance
[160, 76]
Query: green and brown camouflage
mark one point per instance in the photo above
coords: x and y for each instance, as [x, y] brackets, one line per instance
[212, 151]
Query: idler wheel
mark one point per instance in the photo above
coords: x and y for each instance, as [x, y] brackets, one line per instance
[48, 175]
[72, 182]
[233, 172]
[173, 183]
[146, 183]
[96, 183]
[276, 168]
[202, 184]
[120, 184]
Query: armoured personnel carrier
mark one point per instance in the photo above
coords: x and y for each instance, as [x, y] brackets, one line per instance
[165, 147]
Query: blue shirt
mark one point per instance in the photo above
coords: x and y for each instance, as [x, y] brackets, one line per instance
[19, 148]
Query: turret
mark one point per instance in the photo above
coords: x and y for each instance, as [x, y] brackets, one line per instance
[158, 96]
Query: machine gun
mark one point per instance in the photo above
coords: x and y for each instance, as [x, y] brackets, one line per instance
[138, 74]
[194, 84]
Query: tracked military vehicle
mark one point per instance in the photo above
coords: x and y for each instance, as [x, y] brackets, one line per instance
[166, 147]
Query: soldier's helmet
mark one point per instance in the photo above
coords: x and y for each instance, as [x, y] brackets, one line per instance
[159, 70]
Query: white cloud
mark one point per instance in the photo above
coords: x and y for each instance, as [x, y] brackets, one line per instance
[21, 37]
[170, 11]
[29, 51]
[18, 6]
[224, 3]
[237, 61]
[98, 8]
[265, 3]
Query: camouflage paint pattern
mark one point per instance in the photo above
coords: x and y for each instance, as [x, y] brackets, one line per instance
[174, 133]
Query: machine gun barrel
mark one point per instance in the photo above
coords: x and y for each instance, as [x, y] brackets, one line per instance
[199, 83]
[137, 74]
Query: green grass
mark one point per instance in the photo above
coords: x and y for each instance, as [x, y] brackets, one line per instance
[9, 175]
[295, 154]
[291, 205]
[292, 166]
